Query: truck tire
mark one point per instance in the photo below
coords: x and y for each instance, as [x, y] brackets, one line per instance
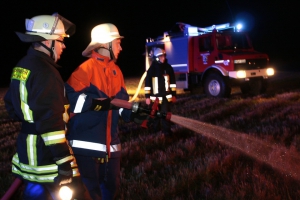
[216, 86]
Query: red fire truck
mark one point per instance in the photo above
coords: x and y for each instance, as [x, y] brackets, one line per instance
[215, 58]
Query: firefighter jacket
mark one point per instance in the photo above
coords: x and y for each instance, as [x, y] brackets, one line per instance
[36, 97]
[95, 133]
[160, 82]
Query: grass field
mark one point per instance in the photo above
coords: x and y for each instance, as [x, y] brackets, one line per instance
[192, 165]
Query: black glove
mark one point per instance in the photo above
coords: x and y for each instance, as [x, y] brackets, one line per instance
[101, 105]
[138, 118]
[65, 174]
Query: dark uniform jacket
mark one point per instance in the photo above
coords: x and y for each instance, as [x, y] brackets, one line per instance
[95, 133]
[160, 81]
[36, 97]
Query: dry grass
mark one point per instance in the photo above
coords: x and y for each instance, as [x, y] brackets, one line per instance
[189, 165]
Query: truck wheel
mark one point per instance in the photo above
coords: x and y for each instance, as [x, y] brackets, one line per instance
[216, 86]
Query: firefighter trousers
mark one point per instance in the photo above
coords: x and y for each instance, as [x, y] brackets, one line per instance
[101, 179]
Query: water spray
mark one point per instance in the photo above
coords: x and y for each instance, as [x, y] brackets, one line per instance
[277, 156]
[274, 155]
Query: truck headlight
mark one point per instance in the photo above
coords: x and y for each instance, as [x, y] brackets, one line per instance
[241, 74]
[65, 193]
[270, 72]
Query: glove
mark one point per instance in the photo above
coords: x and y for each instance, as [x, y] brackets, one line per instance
[101, 105]
[65, 174]
[173, 99]
[138, 118]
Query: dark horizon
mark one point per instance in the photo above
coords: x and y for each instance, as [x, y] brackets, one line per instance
[270, 26]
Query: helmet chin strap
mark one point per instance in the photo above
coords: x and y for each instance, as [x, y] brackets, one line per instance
[51, 50]
[110, 52]
[112, 56]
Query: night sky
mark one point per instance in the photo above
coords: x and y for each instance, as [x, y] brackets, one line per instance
[272, 25]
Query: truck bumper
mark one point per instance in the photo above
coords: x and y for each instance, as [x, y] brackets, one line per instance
[247, 74]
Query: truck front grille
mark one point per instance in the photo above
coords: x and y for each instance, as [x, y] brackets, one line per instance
[252, 64]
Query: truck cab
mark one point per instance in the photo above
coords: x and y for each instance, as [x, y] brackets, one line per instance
[216, 58]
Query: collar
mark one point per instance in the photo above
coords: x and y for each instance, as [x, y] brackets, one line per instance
[97, 56]
[33, 52]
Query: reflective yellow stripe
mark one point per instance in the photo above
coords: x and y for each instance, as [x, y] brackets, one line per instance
[27, 112]
[34, 178]
[54, 137]
[45, 173]
[22, 75]
[31, 149]
[45, 169]
[65, 159]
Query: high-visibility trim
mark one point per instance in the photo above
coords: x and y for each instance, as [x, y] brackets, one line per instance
[44, 173]
[76, 172]
[54, 137]
[31, 149]
[120, 111]
[38, 170]
[147, 90]
[169, 96]
[27, 112]
[65, 159]
[33, 178]
[80, 103]
[155, 85]
[94, 146]
[153, 98]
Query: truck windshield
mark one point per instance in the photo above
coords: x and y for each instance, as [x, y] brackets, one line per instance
[232, 41]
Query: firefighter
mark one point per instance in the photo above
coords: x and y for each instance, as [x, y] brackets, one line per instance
[36, 97]
[160, 83]
[93, 126]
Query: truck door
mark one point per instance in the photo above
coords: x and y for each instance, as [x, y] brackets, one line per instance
[203, 52]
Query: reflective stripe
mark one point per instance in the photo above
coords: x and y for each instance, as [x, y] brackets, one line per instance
[79, 103]
[155, 85]
[153, 98]
[27, 113]
[54, 137]
[31, 149]
[33, 178]
[65, 159]
[45, 169]
[147, 90]
[120, 111]
[172, 85]
[169, 96]
[94, 146]
[45, 173]
[75, 172]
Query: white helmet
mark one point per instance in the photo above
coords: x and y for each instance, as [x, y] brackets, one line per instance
[101, 34]
[158, 52]
[46, 27]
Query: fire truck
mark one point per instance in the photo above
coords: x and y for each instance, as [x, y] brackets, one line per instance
[216, 58]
